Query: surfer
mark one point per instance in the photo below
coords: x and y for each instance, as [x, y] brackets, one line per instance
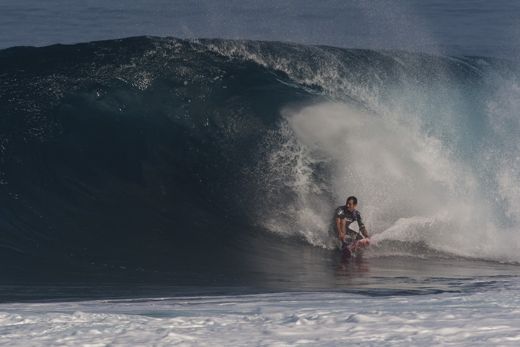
[350, 239]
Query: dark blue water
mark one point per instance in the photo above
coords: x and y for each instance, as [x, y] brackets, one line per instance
[167, 164]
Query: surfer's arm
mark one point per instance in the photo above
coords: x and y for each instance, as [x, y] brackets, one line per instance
[362, 228]
[341, 227]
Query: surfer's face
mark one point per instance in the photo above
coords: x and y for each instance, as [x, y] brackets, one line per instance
[351, 206]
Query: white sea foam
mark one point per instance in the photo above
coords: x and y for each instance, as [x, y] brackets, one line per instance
[282, 319]
[412, 187]
[425, 164]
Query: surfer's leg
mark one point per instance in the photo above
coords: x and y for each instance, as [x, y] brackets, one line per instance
[345, 251]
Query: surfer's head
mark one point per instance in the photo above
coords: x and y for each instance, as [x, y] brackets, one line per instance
[351, 203]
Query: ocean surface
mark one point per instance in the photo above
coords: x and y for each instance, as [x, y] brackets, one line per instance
[169, 170]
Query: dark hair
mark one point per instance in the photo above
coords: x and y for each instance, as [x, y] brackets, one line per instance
[353, 198]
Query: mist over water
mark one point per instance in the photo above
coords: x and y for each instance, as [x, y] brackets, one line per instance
[414, 189]
[430, 145]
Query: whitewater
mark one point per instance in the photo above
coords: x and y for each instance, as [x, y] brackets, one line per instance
[282, 319]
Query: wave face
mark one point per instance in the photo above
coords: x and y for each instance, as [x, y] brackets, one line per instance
[155, 153]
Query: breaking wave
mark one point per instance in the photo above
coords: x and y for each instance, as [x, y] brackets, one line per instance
[159, 152]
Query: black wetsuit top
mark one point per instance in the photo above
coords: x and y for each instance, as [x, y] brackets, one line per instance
[354, 216]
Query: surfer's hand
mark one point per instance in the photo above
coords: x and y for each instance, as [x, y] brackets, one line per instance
[363, 243]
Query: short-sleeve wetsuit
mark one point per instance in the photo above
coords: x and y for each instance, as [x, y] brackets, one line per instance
[354, 216]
